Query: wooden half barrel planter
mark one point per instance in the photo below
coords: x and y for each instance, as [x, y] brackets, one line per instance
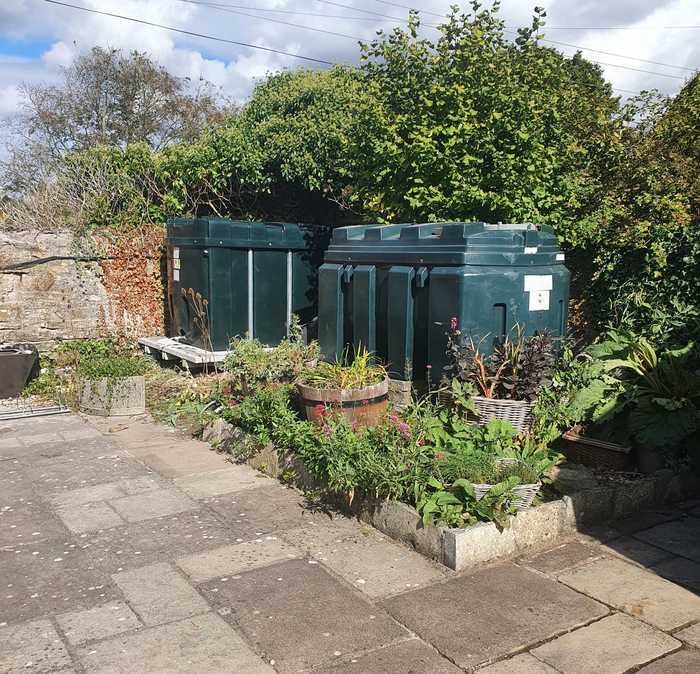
[365, 406]
[114, 396]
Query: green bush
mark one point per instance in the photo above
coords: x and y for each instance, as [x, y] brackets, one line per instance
[112, 367]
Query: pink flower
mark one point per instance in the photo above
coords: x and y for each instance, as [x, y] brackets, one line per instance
[226, 390]
[365, 402]
[231, 403]
[420, 442]
[404, 429]
[353, 424]
[327, 429]
[320, 410]
[453, 324]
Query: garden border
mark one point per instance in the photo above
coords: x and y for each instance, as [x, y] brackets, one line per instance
[460, 549]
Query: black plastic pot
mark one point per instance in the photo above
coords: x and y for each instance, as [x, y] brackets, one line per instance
[19, 364]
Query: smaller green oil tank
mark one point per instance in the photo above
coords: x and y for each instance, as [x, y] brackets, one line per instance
[394, 289]
[234, 278]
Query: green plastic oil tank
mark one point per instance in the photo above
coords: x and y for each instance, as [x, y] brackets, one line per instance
[394, 290]
[234, 278]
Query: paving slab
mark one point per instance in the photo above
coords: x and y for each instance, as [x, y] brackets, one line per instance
[407, 657]
[520, 664]
[561, 557]
[681, 571]
[41, 439]
[99, 622]
[89, 517]
[681, 537]
[233, 478]
[15, 485]
[159, 594]
[237, 558]
[272, 607]
[634, 550]
[50, 577]
[152, 504]
[268, 508]
[29, 523]
[82, 469]
[144, 483]
[315, 535]
[200, 644]
[378, 566]
[691, 635]
[157, 540]
[32, 647]
[181, 459]
[612, 645]
[681, 662]
[488, 615]
[83, 495]
[635, 591]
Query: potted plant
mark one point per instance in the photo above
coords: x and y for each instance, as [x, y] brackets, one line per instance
[507, 381]
[112, 385]
[359, 390]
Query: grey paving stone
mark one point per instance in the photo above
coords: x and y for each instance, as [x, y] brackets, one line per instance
[177, 459]
[682, 662]
[635, 591]
[83, 495]
[159, 594]
[233, 478]
[691, 635]
[10, 447]
[634, 550]
[378, 566]
[266, 509]
[487, 615]
[271, 607]
[15, 487]
[612, 645]
[237, 558]
[157, 540]
[49, 577]
[32, 647]
[201, 644]
[99, 622]
[315, 535]
[520, 664]
[680, 571]
[80, 433]
[32, 439]
[407, 657]
[89, 517]
[29, 523]
[152, 504]
[560, 558]
[681, 537]
[144, 483]
[82, 469]
[645, 519]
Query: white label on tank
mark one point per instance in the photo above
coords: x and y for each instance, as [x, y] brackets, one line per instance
[176, 253]
[561, 257]
[176, 264]
[539, 300]
[176, 274]
[530, 250]
[538, 282]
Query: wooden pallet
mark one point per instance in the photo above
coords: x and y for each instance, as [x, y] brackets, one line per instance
[167, 348]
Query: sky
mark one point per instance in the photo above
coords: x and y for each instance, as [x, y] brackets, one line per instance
[37, 39]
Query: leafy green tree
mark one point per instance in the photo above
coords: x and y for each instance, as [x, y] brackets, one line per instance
[475, 126]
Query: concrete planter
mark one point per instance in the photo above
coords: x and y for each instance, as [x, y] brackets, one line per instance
[121, 396]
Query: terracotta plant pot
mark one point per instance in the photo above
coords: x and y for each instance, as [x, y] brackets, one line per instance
[365, 406]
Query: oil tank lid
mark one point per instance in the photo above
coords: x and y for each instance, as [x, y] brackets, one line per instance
[447, 243]
[225, 233]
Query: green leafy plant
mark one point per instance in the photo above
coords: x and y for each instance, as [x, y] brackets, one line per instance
[112, 367]
[350, 373]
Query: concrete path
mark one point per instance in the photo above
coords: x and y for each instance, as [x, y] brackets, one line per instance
[124, 548]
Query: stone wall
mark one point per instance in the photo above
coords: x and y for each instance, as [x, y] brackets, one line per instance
[72, 299]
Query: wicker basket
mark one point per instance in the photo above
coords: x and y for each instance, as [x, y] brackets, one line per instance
[523, 494]
[595, 453]
[517, 412]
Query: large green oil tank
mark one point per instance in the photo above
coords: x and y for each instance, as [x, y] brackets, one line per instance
[394, 289]
[253, 276]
